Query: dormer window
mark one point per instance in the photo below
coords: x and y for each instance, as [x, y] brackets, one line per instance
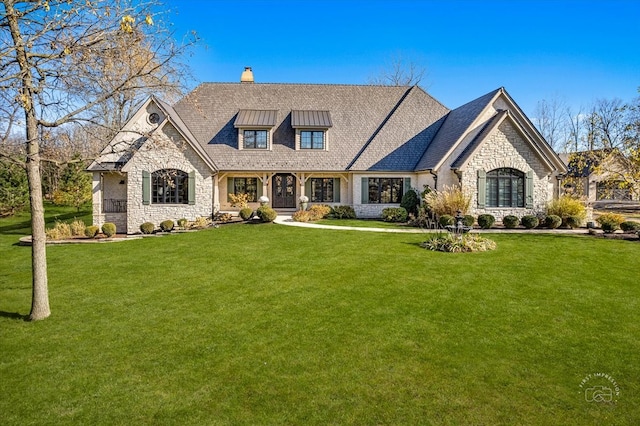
[255, 128]
[312, 139]
[311, 129]
[255, 139]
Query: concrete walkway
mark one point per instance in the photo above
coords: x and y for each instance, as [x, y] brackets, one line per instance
[287, 220]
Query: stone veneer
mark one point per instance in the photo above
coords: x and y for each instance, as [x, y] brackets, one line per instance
[167, 151]
[505, 147]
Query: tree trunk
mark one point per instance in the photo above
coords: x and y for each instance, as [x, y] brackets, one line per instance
[40, 292]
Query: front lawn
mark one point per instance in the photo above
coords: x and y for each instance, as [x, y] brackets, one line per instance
[269, 324]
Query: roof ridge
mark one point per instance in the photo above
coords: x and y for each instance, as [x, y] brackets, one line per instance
[380, 127]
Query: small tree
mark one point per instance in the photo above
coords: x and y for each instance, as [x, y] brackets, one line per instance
[75, 188]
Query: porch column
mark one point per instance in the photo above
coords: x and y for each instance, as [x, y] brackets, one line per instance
[216, 193]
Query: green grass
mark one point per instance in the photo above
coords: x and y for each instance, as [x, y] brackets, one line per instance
[268, 324]
[362, 223]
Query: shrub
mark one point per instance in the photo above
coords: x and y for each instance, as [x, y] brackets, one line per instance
[342, 212]
[267, 214]
[486, 221]
[319, 211]
[60, 230]
[510, 221]
[167, 225]
[468, 220]
[529, 221]
[246, 213]
[610, 221]
[566, 206]
[77, 227]
[573, 222]
[239, 200]
[91, 231]
[446, 220]
[53, 234]
[109, 229]
[182, 223]
[629, 226]
[223, 217]
[552, 221]
[301, 216]
[449, 201]
[410, 202]
[201, 222]
[394, 214]
[458, 244]
[147, 228]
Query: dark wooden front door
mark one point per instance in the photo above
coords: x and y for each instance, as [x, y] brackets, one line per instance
[284, 191]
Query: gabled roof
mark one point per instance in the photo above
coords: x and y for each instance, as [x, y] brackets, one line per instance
[488, 111]
[368, 123]
[124, 145]
[455, 125]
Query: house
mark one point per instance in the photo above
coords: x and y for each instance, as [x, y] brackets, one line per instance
[596, 176]
[358, 145]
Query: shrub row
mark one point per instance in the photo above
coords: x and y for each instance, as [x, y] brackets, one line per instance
[62, 230]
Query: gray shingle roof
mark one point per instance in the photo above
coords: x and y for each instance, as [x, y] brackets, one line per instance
[455, 125]
[369, 117]
[471, 147]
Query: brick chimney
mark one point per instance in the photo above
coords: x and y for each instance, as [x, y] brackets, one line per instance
[247, 75]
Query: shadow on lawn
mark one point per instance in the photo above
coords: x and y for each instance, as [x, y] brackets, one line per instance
[14, 315]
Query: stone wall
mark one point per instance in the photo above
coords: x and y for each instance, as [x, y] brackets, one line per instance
[166, 151]
[505, 147]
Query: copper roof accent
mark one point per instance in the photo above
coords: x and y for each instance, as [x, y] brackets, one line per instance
[256, 118]
[311, 119]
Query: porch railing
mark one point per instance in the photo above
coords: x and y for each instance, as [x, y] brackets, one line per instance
[111, 205]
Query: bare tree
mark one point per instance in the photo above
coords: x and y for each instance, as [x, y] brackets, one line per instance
[399, 72]
[63, 62]
[551, 121]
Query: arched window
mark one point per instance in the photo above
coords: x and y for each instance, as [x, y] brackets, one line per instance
[505, 188]
[169, 186]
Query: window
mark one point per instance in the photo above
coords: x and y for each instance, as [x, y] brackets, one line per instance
[322, 190]
[246, 186]
[256, 139]
[385, 190]
[311, 139]
[505, 188]
[169, 186]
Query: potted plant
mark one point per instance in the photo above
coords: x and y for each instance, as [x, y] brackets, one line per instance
[303, 202]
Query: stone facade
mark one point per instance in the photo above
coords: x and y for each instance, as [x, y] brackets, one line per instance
[167, 151]
[505, 147]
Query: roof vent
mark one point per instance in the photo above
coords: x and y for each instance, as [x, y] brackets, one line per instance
[247, 75]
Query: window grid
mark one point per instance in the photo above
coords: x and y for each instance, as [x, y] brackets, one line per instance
[246, 186]
[311, 139]
[255, 139]
[385, 190]
[322, 190]
[170, 186]
[505, 188]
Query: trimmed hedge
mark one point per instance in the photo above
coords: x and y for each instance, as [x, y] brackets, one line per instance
[629, 226]
[147, 228]
[552, 221]
[510, 221]
[446, 220]
[395, 214]
[167, 225]
[91, 231]
[267, 214]
[109, 229]
[486, 221]
[529, 221]
[246, 213]
[342, 212]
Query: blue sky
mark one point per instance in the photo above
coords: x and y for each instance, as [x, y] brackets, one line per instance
[574, 50]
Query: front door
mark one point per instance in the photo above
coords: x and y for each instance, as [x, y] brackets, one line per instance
[284, 191]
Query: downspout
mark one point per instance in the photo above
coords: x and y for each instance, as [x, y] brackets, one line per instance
[459, 174]
[435, 179]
